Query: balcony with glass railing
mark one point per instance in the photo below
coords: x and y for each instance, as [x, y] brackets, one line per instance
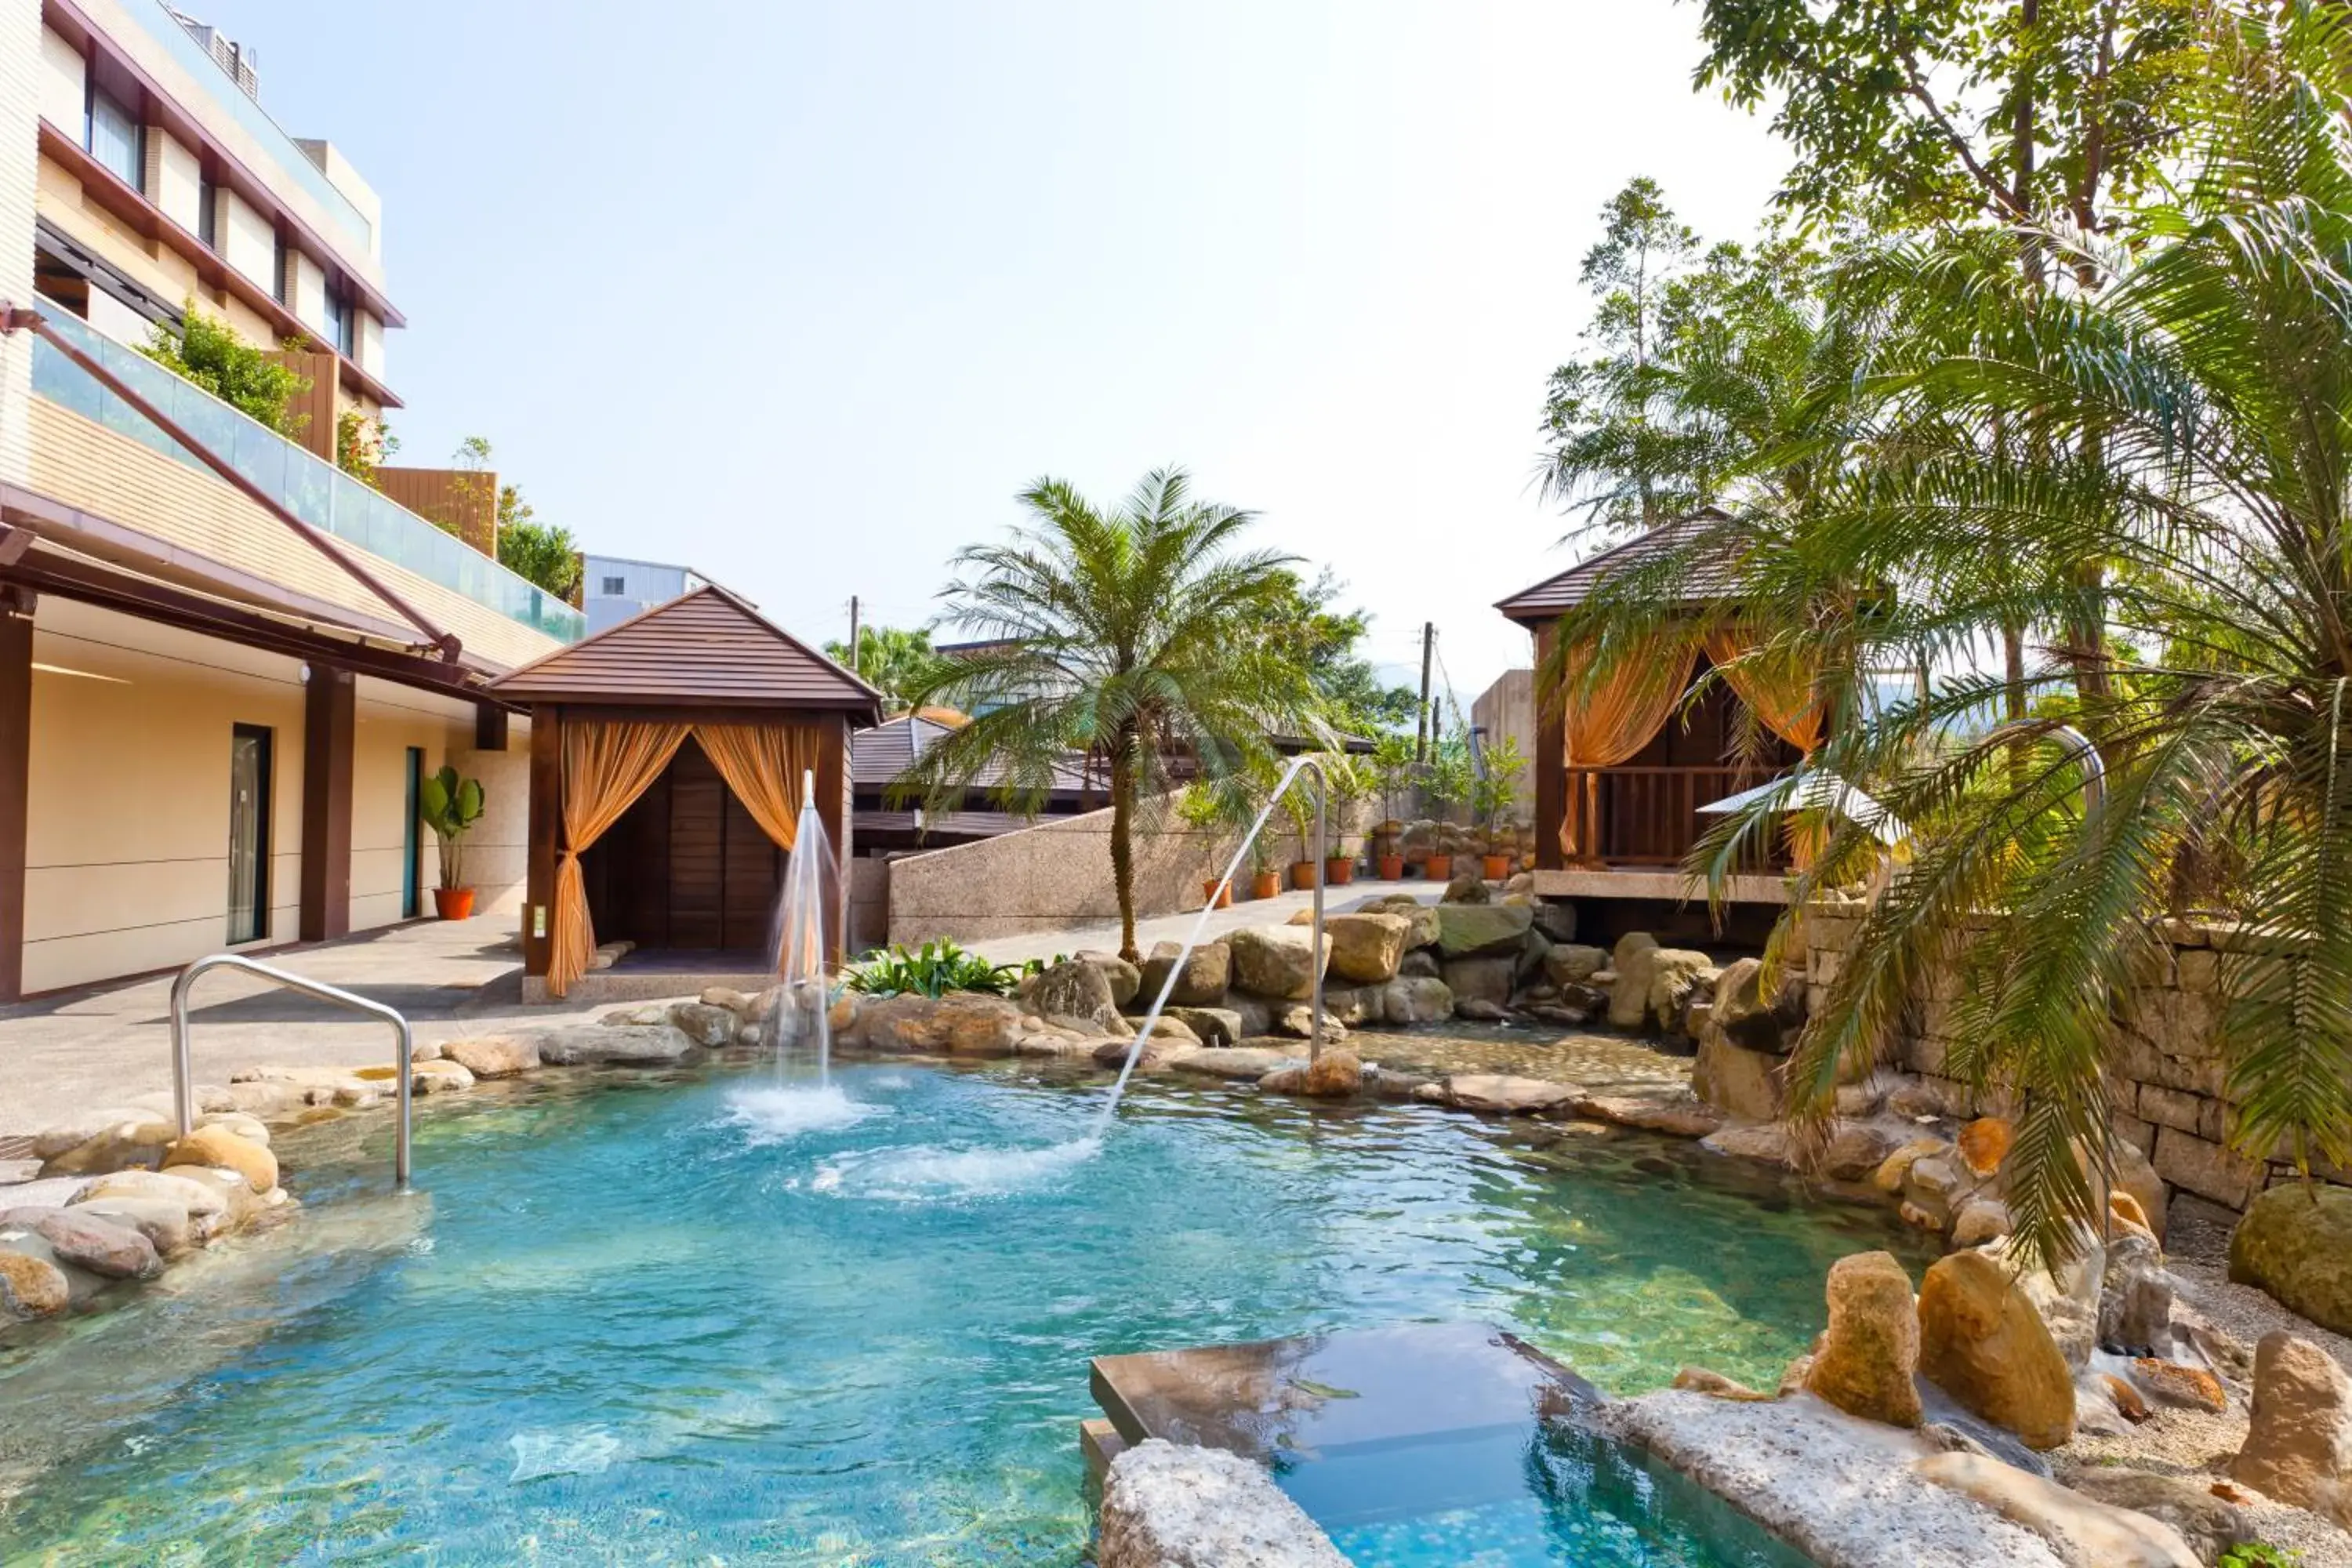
[312, 489]
[155, 19]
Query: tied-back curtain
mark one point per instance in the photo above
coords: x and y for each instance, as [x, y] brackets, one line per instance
[763, 765]
[1778, 689]
[607, 764]
[1617, 717]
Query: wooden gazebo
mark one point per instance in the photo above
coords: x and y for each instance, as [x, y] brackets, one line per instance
[667, 756]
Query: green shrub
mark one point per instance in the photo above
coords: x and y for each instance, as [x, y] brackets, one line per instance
[205, 352]
[939, 967]
[2259, 1554]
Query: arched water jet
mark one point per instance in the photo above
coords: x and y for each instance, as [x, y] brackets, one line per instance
[799, 1004]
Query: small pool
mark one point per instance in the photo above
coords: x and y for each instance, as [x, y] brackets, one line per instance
[690, 1320]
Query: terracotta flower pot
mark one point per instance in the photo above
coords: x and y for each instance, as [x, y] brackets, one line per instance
[1391, 867]
[1265, 884]
[1220, 891]
[1438, 868]
[453, 903]
[1302, 873]
[1339, 871]
[1495, 867]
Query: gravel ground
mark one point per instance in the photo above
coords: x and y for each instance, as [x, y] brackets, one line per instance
[2193, 1443]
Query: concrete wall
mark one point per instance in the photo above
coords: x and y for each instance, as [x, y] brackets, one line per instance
[1054, 874]
[2166, 1069]
[1507, 708]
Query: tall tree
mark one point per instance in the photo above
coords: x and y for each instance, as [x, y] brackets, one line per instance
[1311, 627]
[1134, 633]
[897, 660]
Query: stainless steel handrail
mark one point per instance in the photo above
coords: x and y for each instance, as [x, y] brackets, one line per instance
[183, 1075]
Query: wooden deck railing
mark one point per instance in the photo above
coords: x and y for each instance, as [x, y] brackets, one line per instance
[1648, 816]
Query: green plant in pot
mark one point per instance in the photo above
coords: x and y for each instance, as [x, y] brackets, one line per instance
[1349, 781]
[1493, 794]
[450, 806]
[1445, 781]
[1205, 812]
[1391, 769]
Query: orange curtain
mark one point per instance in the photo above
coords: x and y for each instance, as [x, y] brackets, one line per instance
[1616, 717]
[607, 764]
[1778, 689]
[762, 764]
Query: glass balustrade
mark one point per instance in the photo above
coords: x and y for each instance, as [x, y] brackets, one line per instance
[311, 488]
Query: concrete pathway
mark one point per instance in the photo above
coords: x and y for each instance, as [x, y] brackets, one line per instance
[1176, 928]
[108, 1044]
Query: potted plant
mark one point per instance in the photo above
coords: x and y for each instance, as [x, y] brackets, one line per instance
[1301, 807]
[1445, 781]
[1265, 880]
[1492, 794]
[1347, 785]
[1200, 809]
[450, 807]
[1391, 769]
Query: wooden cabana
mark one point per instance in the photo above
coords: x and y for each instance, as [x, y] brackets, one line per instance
[1622, 771]
[667, 766]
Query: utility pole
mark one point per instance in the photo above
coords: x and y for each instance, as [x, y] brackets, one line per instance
[1420, 719]
[853, 634]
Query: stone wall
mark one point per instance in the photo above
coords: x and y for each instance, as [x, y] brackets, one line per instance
[2166, 1064]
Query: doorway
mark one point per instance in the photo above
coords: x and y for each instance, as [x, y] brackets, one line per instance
[411, 841]
[248, 833]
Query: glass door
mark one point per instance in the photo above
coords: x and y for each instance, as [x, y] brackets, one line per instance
[248, 834]
[412, 840]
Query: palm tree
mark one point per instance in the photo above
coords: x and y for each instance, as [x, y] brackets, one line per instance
[1137, 635]
[895, 660]
[2188, 426]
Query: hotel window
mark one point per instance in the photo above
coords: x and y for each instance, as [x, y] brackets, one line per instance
[339, 323]
[114, 136]
[281, 272]
[615, 586]
[208, 212]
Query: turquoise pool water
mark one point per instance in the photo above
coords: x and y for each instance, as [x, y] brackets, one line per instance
[648, 1322]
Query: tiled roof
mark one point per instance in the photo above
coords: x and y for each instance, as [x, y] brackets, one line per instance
[706, 647]
[1549, 598]
[878, 755]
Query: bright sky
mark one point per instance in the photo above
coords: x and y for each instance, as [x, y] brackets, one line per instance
[801, 294]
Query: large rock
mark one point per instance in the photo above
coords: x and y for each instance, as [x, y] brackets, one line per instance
[2067, 1300]
[1505, 1095]
[2084, 1532]
[1169, 1507]
[1250, 1062]
[2295, 1243]
[1337, 1074]
[1640, 966]
[1983, 1342]
[87, 1238]
[959, 1024]
[1733, 1078]
[133, 1140]
[706, 1023]
[1569, 963]
[208, 1206]
[1416, 999]
[612, 1045]
[1367, 949]
[31, 1287]
[1277, 961]
[166, 1224]
[1870, 1353]
[1483, 980]
[1466, 888]
[2134, 1297]
[1201, 981]
[2209, 1525]
[224, 1149]
[1124, 979]
[1210, 1026]
[494, 1055]
[1074, 989]
[1676, 973]
[1464, 930]
[1749, 1018]
[2298, 1447]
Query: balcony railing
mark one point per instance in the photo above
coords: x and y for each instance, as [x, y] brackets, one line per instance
[312, 489]
[1648, 816]
[156, 19]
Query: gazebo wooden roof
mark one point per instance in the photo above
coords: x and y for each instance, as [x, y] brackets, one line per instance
[707, 648]
[1547, 599]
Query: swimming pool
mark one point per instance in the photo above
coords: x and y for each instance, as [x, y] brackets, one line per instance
[679, 1319]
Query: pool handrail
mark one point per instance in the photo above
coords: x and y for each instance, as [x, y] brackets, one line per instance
[184, 1076]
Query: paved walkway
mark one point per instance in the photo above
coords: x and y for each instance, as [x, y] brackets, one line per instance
[110, 1044]
[1176, 928]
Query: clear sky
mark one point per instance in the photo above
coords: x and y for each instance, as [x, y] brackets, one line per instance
[801, 294]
